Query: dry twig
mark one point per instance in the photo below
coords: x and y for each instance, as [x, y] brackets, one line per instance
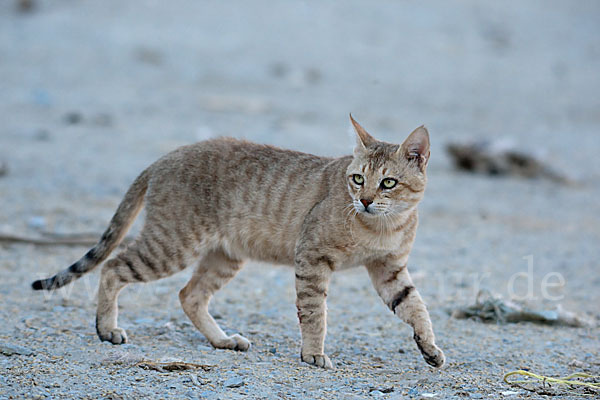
[171, 366]
[55, 239]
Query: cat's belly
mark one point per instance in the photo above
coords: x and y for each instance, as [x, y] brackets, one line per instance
[261, 238]
[260, 250]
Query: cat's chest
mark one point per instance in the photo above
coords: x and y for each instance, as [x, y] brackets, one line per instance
[370, 248]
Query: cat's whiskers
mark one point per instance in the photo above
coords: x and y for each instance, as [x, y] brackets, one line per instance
[350, 213]
[389, 221]
[384, 225]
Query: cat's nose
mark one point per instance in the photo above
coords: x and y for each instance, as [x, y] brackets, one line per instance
[366, 202]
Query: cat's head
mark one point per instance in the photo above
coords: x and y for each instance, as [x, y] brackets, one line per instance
[384, 178]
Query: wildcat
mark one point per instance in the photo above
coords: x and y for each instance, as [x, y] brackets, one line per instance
[219, 202]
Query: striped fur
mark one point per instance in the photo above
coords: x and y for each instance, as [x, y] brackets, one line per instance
[118, 227]
[217, 203]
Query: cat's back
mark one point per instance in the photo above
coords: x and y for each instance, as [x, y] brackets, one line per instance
[232, 173]
[255, 196]
[235, 156]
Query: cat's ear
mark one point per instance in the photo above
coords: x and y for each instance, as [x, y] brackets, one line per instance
[363, 139]
[416, 147]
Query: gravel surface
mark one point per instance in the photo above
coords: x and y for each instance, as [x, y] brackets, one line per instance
[92, 92]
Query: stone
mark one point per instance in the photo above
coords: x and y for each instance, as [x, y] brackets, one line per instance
[9, 349]
[234, 382]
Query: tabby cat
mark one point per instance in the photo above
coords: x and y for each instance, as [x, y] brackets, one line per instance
[219, 202]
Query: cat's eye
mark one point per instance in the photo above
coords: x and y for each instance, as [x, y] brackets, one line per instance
[358, 179]
[388, 183]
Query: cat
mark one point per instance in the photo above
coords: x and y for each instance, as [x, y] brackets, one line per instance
[222, 201]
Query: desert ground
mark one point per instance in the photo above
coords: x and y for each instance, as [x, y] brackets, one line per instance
[93, 92]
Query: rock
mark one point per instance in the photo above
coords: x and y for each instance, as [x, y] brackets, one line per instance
[380, 391]
[3, 168]
[25, 6]
[312, 76]
[41, 135]
[149, 55]
[576, 364]
[501, 157]
[11, 349]
[234, 382]
[278, 69]
[273, 350]
[462, 393]
[73, 118]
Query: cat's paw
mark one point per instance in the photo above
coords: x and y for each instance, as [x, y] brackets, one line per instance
[233, 342]
[319, 360]
[432, 354]
[115, 336]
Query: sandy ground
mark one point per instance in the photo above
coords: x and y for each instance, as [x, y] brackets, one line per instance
[92, 92]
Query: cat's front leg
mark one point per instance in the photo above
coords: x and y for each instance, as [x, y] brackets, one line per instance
[396, 289]
[312, 281]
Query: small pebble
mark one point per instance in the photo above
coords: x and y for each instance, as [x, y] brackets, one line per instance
[42, 135]
[25, 6]
[149, 55]
[73, 118]
[234, 382]
[312, 75]
[278, 69]
[3, 168]
[576, 364]
[11, 349]
[385, 390]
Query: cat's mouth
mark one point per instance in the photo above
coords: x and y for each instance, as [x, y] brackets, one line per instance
[381, 210]
[372, 210]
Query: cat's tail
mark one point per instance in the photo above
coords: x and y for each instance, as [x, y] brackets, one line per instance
[119, 225]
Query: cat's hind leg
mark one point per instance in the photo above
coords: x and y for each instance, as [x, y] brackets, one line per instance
[213, 272]
[107, 312]
[145, 260]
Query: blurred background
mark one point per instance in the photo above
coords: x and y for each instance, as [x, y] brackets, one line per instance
[93, 92]
[289, 72]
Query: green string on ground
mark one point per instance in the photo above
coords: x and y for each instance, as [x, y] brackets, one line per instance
[571, 380]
